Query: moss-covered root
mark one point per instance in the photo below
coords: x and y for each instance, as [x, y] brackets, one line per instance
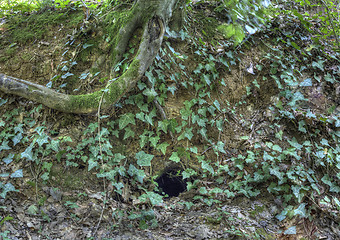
[151, 41]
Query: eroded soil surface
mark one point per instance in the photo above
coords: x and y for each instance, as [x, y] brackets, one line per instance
[71, 203]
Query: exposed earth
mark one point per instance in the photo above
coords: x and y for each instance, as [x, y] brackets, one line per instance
[72, 202]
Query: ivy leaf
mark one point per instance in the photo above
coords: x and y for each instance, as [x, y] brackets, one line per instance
[319, 154]
[324, 142]
[54, 145]
[163, 125]
[119, 187]
[296, 192]
[301, 210]
[195, 118]
[206, 79]
[297, 97]
[18, 128]
[172, 89]
[203, 132]
[128, 133]
[3, 101]
[133, 171]
[217, 105]
[188, 133]
[277, 148]
[4, 146]
[276, 172]
[144, 159]
[142, 140]
[17, 174]
[121, 170]
[86, 45]
[151, 78]
[203, 111]
[329, 78]
[91, 164]
[42, 140]
[118, 157]
[290, 231]
[141, 85]
[295, 144]
[126, 119]
[188, 173]
[194, 150]
[45, 176]
[141, 116]
[9, 158]
[266, 156]
[251, 157]
[185, 113]
[28, 153]
[302, 126]
[94, 149]
[206, 166]
[68, 74]
[333, 187]
[203, 190]
[225, 63]
[220, 147]
[163, 147]
[306, 83]
[155, 199]
[8, 187]
[174, 157]
[318, 64]
[150, 93]
[152, 114]
[154, 141]
[219, 125]
[310, 114]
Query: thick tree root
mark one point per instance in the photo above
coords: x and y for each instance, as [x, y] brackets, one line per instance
[154, 24]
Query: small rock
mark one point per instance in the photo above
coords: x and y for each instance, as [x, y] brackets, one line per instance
[56, 194]
[30, 225]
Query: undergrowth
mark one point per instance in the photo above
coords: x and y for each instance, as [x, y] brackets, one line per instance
[296, 158]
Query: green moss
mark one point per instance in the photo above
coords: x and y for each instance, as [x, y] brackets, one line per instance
[71, 179]
[208, 24]
[36, 26]
[257, 210]
[4, 59]
[264, 235]
[10, 51]
[114, 21]
[234, 31]
[85, 101]
[214, 221]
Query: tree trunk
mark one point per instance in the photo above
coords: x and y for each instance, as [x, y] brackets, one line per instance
[153, 16]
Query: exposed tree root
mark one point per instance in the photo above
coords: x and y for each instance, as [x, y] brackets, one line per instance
[153, 16]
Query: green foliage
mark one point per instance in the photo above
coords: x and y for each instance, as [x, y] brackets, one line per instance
[40, 146]
[251, 14]
[16, 6]
[326, 14]
[25, 6]
[294, 162]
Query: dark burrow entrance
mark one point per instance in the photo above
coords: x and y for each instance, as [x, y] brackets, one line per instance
[171, 182]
